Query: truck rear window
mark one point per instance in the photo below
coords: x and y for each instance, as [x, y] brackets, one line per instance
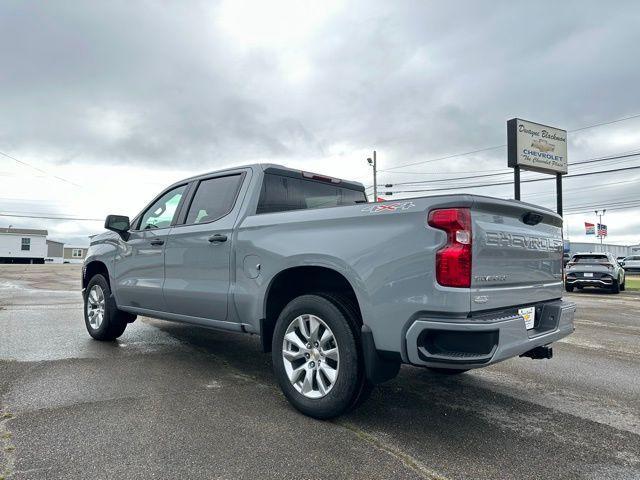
[281, 194]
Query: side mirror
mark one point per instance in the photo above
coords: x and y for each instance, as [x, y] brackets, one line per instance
[621, 262]
[118, 223]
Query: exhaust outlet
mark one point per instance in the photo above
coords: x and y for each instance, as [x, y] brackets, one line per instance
[539, 353]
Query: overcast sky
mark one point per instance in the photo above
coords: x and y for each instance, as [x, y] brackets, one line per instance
[119, 99]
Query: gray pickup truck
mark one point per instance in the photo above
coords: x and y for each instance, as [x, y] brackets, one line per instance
[341, 291]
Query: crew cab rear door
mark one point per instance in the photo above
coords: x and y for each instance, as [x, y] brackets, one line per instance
[517, 254]
[199, 249]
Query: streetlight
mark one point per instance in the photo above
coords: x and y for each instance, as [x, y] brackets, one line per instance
[375, 176]
[600, 215]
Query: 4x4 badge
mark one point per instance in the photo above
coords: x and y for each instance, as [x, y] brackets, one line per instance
[388, 207]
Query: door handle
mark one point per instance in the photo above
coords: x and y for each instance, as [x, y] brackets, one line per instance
[217, 238]
[157, 242]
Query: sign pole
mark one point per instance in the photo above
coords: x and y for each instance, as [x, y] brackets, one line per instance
[516, 182]
[559, 192]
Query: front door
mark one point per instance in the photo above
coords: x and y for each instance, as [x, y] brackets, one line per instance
[139, 262]
[198, 251]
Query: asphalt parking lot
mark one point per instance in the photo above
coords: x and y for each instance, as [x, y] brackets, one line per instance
[170, 401]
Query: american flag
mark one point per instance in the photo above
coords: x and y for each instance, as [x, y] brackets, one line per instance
[602, 230]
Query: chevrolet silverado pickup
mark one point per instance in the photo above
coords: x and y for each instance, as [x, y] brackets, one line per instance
[340, 290]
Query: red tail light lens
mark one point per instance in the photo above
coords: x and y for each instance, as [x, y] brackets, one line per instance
[453, 261]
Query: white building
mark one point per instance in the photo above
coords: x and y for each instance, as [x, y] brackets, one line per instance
[55, 252]
[617, 250]
[75, 254]
[22, 245]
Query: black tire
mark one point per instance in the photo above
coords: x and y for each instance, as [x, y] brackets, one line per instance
[615, 288]
[350, 387]
[569, 288]
[623, 285]
[114, 322]
[350, 311]
[448, 371]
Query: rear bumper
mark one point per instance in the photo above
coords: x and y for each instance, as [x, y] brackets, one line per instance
[590, 282]
[442, 343]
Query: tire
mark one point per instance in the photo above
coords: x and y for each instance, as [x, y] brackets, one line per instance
[623, 285]
[448, 371]
[569, 288]
[114, 321]
[350, 311]
[349, 387]
[615, 288]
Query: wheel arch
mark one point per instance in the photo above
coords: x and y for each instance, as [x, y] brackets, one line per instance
[299, 280]
[92, 268]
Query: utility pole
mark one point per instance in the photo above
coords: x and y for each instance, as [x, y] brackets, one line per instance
[373, 163]
[599, 215]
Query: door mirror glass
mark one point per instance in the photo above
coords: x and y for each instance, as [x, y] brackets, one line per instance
[117, 223]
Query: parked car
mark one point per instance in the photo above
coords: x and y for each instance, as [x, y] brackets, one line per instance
[341, 291]
[631, 264]
[599, 270]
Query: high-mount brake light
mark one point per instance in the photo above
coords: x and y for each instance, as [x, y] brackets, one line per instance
[453, 261]
[320, 178]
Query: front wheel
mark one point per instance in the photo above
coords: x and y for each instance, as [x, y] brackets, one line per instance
[101, 316]
[569, 288]
[317, 357]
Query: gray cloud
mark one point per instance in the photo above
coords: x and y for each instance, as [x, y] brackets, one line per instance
[166, 84]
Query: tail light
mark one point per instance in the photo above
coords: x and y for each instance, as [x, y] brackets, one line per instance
[453, 261]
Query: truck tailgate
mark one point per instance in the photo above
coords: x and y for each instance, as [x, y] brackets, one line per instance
[517, 254]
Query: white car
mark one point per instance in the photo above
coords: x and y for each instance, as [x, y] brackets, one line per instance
[631, 263]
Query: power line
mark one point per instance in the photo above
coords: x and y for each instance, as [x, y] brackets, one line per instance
[583, 162]
[45, 217]
[591, 187]
[495, 147]
[523, 181]
[39, 169]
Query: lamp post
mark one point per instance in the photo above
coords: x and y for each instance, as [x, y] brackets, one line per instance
[373, 163]
[600, 215]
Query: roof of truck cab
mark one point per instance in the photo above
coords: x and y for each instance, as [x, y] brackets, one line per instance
[264, 167]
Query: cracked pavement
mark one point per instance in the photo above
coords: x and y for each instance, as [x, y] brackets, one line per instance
[175, 401]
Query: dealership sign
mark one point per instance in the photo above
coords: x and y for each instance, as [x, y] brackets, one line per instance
[536, 147]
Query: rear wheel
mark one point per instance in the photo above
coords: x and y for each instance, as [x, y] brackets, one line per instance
[317, 357]
[101, 316]
[615, 288]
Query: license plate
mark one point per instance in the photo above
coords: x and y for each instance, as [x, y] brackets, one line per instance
[588, 274]
[529, 315]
